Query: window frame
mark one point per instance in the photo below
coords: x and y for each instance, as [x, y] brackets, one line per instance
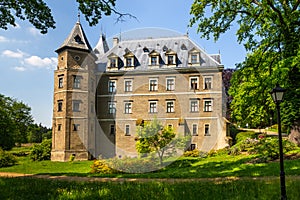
[153, 87]
[170, 109]
[77, 82]
[194, 108]
[191, 85]
[112, 129]
[207, 107]
[112, 86]
[112, 107]
[170, 86]
[205, 83]
[127, 130]
[127, 107]
[59, 105]
[128, 88]
[194, 129]
[76, 105]
[151, 108]
[206, 130]
[60, 82]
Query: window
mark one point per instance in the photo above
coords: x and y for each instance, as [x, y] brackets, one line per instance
[112, 130]
[170, 84]
[207, 83]
[153, 106]
[127, 130]
[153, 85]
[112, 86]
[59, 127]
[128, 107]
[128, 85]
[76, 82]
[113, 62]
[76, 127]
[60, 82]
[194, 58]
[170, 106]
[76, 105]
[194, 105]
[59, 105]
[129, 62]
[194, 83]
[153, 60]
[195, 129]
[192, 147]
[207, 106]
[111, 107]
[206, 130]
[171, 59]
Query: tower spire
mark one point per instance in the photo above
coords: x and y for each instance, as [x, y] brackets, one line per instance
[78, 15]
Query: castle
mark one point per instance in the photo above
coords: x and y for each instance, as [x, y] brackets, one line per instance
[101, 95]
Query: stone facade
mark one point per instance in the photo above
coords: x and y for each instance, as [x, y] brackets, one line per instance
[171, 79]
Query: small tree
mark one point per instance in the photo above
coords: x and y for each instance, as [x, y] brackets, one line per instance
[153, 137]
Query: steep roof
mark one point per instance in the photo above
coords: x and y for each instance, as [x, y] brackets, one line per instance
[141, 48]
[102, 46]
[76, 40]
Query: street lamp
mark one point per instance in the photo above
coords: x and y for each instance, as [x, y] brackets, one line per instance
[277, 95]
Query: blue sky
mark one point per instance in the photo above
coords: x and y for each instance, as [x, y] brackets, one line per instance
[28, 59]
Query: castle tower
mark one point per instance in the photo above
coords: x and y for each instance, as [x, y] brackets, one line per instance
[74, 115]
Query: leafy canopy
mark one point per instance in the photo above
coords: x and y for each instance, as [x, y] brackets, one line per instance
[39, 14]
[269, 30]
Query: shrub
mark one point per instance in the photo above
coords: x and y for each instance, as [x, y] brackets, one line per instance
[6, 159]
[193, 153]
[133, 165]
[101, 166]
[241, 136]
[41, 151]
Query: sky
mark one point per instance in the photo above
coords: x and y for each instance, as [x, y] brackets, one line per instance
[28, 58]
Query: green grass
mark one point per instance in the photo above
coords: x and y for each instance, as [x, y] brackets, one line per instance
[218, 166]
[30, 188]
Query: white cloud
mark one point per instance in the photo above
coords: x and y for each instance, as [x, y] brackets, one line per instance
[20, 69]
[13, 54]
[34, 31]
[3, 39]
[36, 61]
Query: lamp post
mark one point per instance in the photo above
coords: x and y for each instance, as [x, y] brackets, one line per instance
[277, 95]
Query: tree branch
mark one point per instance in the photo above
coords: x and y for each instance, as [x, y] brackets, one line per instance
[296, 6]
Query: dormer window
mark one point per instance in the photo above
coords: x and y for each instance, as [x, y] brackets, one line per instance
[154, 58]
[194, 56]
[146, 50]
[113, 62]
[129, 59]
[171, 57]
[77, 39]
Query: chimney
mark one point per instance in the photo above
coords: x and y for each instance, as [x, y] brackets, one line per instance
[115, 41]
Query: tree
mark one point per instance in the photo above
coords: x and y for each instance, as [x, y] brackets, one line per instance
[153, 137]
[269, 30]
[15, 117]
[39, 14]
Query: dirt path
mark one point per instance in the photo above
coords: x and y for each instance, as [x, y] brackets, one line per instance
[142, 180]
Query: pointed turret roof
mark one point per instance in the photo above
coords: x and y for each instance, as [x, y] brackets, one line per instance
[76, 40]
[102, 46]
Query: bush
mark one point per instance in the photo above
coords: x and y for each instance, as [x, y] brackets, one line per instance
[133, 165]
[41, 151]
[6, 159]
[193, 153]
[101, 166]
[241, 136]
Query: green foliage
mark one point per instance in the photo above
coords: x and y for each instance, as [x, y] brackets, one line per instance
[268, 30]
[41, 151]
[101, 166]
[133, 165]
[154, 138]
[241, 136]
[193, 153]
[6, 159]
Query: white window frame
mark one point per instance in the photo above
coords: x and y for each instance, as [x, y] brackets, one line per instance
[128, 107]
[154, 57]
[112, 107]
[153, 109]
[197, 83]
[172, 108]
[128, 88]
[113, 62]
[129, 61]
[207, 108]
[76, 82]
[204, 82]
[194, 109]
[155, 87]
[60, 82]
[170, 87]
[112, 86]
